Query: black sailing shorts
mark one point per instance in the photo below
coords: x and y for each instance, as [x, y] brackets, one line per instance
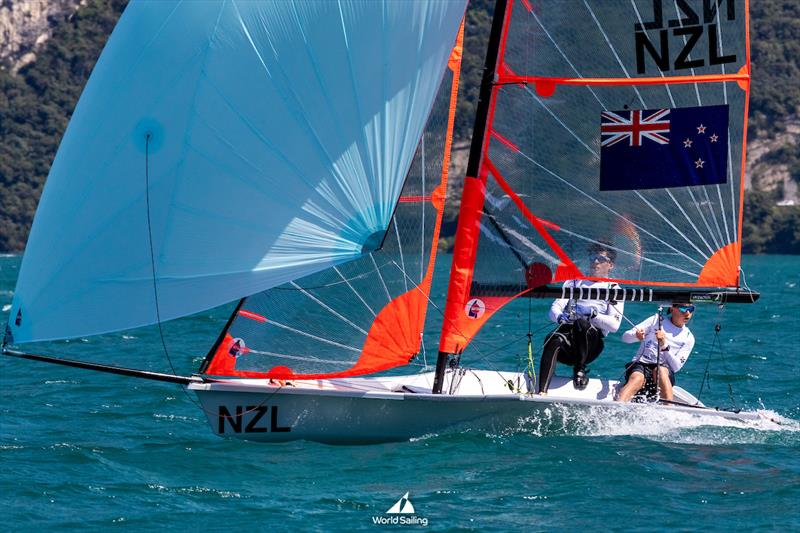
[646, 369]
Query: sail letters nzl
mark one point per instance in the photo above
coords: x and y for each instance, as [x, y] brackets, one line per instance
[255, 413]
[687, 30]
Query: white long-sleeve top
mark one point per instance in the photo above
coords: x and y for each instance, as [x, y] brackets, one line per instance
[680, 342]
[608, 316]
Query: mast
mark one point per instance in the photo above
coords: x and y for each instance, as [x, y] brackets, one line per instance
[479, 137]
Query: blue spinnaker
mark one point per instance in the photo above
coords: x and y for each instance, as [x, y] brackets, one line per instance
[248, 143]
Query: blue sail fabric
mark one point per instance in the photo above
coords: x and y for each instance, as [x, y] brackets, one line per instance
[249, 143]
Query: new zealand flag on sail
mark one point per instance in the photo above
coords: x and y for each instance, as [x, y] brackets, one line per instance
[662, 148]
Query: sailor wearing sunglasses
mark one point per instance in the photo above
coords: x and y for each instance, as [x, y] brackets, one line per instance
[582, 324]
[670, 346]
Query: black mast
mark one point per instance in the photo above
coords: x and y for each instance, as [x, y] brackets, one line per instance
[479, 134]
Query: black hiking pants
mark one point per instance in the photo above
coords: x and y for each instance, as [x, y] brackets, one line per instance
[576, 344]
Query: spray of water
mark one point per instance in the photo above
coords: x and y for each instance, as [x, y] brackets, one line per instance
[658, 424]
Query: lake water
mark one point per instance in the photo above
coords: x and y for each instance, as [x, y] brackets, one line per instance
[87, 451]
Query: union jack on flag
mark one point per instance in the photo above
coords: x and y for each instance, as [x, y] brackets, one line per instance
[635, 127]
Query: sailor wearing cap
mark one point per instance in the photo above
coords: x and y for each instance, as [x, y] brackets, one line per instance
[582, 323]
[665, 344]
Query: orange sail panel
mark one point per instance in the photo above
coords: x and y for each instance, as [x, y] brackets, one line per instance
[602, 128]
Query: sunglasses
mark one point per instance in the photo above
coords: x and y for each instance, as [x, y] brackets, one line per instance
[599, 258]
[684, 308]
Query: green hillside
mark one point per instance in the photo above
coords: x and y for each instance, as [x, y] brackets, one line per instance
[35, 106]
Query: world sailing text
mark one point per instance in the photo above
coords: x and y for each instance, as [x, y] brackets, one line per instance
[687, 31]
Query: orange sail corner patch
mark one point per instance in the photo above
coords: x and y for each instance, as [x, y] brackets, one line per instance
[722, 268]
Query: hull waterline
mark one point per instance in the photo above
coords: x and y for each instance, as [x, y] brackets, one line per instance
[374, 410]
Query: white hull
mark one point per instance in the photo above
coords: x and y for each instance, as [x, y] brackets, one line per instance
[371, 410]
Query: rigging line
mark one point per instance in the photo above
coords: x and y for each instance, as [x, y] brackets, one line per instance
[703, 217]
[336, 269]
[312, 336]
[528, 243]
[575, 70]
[706, 376]
[604, 206]
[505, 238]
[613, 50]
[148, 136]
[329, 308]
[301, 358]
[734, 210]
[722, 210]
[400, 251]
[637, 256]
[714, 214]
[539, 101]
[628, 320]
[717, 329]
[743, 279]
[380, 276]
[656, 211]
[324, 285]
[688, 219]
[721, 53]
[422, 345]
[422, 218]
[669, 91]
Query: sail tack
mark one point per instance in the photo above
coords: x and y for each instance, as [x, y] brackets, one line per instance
[613, 123]
[222, 148]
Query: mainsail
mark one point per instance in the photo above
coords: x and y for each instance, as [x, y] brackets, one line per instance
[619, 123]
[223, 148]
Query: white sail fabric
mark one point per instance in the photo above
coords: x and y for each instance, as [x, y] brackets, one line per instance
[275, 138]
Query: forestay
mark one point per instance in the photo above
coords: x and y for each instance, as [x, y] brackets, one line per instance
[222, 148]
[619, 122]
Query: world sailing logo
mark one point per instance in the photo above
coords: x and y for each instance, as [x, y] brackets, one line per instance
[401, 513]
[403, 506]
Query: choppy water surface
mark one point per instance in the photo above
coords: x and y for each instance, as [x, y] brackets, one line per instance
[81, 450]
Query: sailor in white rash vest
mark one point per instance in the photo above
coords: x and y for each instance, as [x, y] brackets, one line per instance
[583, 324]
[674, 341]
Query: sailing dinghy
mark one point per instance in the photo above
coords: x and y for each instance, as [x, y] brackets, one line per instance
[294, 156]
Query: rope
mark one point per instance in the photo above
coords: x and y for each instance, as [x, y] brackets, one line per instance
[147, 138]
[705, 379]
[716, 341]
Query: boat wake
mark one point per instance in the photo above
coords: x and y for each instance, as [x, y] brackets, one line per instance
[661, 425]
